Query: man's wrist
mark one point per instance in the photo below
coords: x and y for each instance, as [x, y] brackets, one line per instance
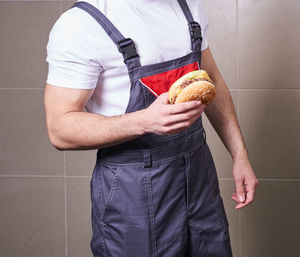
[141, 122]
[240, 155]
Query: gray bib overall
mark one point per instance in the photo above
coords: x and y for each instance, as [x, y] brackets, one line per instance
[157, 196]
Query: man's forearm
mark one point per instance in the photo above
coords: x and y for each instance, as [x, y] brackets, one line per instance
[222, 116]
[83, 130]
[221, 113]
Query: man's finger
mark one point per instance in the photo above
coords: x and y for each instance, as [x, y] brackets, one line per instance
[191, 116]
[235, 198]
[250, 191]
[241, 205]
[184, 107]
[249, 197]
[240, 191]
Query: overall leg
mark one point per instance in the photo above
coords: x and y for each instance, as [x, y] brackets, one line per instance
[207, 221]
[121, 212]
[140, 212]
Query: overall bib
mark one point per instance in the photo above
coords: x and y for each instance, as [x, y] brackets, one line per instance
[157, 196]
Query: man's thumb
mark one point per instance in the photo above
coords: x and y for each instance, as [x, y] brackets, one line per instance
[164, 98]
[240, 192]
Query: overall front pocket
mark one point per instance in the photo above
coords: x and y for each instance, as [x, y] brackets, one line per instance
[124, 193]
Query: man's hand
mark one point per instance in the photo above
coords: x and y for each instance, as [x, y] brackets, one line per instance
[245, 182]
[163, 118]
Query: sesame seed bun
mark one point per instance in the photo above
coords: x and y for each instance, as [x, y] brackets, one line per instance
[195, 85]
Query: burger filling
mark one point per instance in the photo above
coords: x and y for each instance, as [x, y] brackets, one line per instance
[186, 83]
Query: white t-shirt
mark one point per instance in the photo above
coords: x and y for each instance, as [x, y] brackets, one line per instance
[82, 56]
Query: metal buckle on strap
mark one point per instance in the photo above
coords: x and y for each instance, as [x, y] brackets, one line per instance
[127, 48]
[195, 31]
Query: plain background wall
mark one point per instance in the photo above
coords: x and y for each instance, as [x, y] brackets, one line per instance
[44, 193]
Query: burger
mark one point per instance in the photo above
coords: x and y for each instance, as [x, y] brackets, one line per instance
[195, 85]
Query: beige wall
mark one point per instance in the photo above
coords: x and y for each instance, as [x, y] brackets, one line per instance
[44, 193]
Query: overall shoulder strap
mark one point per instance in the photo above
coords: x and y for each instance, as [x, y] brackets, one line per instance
[126, 46]
[194, 27]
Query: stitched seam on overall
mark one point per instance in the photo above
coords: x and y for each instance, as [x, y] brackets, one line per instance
[162, 69]
[176, 138]
[162, 146]
[144, 94]
[140, 164]
[113, 187]
[97, 210]
[212, 193]
[150, 201]
[183, 139]
[106, 208]
[166, 62]
[187, 178]
[102, 225]
[103, 240]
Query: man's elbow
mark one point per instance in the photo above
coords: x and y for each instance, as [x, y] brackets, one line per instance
[61, 143]
[56, 141]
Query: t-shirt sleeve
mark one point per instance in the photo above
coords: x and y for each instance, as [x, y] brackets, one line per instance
[70, 56]
[204, 27]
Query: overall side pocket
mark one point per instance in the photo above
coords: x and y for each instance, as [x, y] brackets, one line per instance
[109, 179]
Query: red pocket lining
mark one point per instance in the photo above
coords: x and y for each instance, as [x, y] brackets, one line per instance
[161, 82]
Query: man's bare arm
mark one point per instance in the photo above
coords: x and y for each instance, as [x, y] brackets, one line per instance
[222, 116]
[69, 127]
[221, 112]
